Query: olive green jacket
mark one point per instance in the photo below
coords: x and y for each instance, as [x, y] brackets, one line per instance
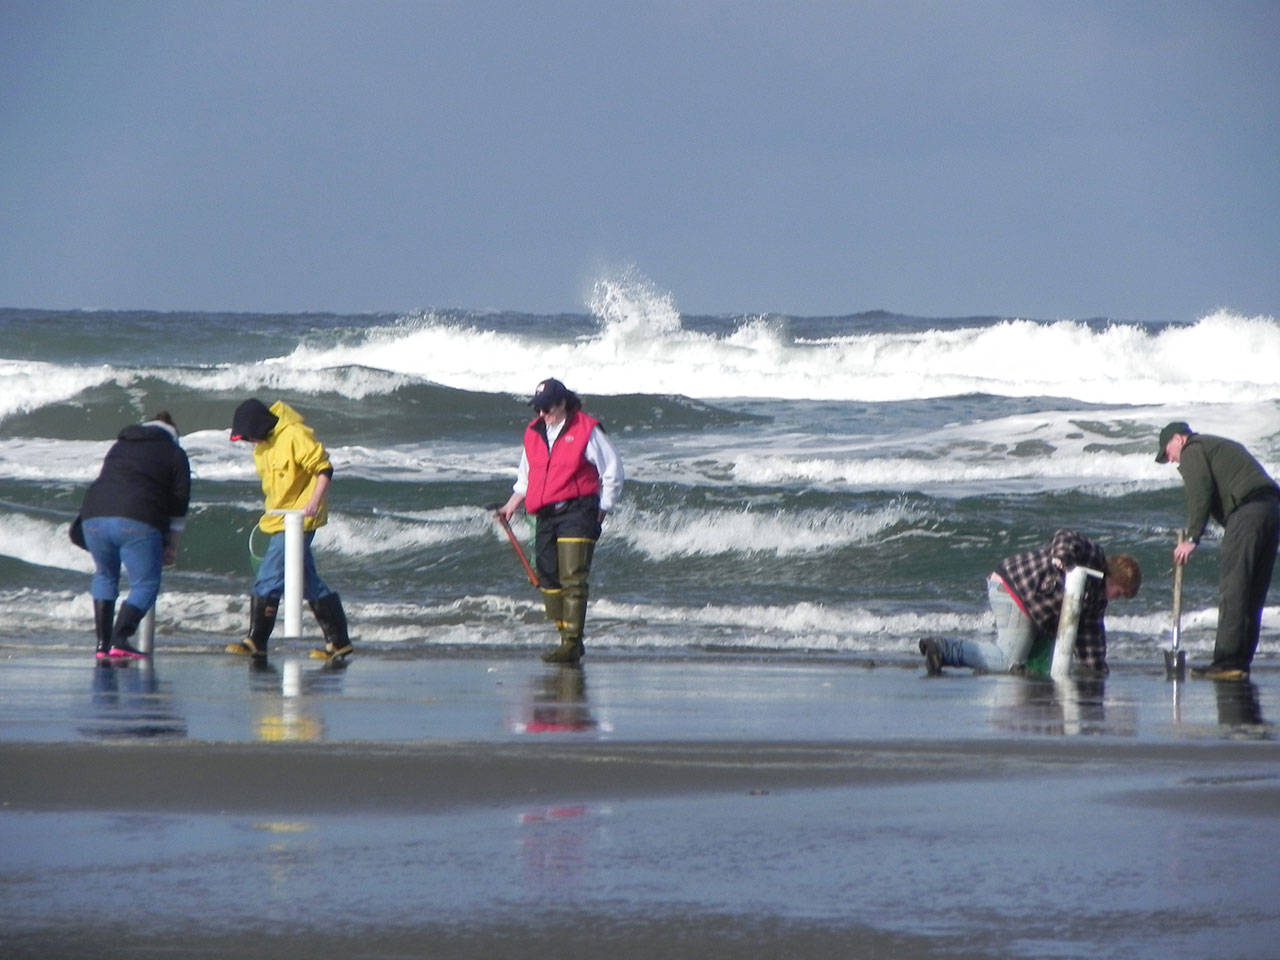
[1219, 475]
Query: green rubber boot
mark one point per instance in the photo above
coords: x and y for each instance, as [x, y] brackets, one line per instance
[573, 556]
[553, 604]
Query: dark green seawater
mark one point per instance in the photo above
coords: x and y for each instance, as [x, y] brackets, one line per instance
[794, 485]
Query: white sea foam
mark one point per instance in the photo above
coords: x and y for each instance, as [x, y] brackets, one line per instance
[655, 535]
[1064, 449]
[31, 385]
[214, 458]
[369, 536]
[27, 385]
[1092, 450]
[36, 458]
[299, 372]
[703, 532]
[641, 347]
[41, 542]
[187, 616]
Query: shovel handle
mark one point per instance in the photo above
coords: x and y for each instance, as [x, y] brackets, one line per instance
[1178, 569]
[515, 544]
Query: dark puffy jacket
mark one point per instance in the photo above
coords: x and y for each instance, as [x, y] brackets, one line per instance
[1219, 475]
[145, 476]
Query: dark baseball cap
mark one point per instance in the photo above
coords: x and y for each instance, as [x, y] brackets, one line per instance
[548, 393]
[1170, 431]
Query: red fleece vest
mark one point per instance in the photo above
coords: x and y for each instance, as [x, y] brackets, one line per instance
[563, 472]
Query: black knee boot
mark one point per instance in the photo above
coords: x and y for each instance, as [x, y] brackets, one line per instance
[333, 624]
[262, 620]
[127, 621]
[104, 615]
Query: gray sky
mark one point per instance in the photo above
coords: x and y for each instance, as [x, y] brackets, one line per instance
[1054, 159]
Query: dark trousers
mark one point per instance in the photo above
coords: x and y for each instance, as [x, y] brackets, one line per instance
[564, 542]
[580, 519]
[1248, 559]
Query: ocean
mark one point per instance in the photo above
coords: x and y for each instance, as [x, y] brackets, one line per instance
[796, 486]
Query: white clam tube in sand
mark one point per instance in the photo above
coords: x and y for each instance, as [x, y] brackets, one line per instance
[147, 630]
[293, 573]
[1069, 620]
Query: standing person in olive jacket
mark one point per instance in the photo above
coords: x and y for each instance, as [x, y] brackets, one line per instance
[295, 473]
[1224, 481]
[569, 477]
[133, 513]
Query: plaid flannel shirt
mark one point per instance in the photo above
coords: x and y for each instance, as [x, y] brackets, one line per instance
[1035, 581]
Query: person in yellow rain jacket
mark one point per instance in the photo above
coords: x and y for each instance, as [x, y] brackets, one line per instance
[296, 474]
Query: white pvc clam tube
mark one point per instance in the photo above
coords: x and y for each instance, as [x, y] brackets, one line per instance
[1069, 620]
[147, 631]
[291, 683]
[293, 572]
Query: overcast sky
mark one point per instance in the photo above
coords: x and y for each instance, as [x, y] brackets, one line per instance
[1054, 159]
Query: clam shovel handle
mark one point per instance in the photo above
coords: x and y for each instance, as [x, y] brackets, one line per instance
[1178, 569]
[515, 544]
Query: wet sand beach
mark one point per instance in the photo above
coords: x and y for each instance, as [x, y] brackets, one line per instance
[707, 807]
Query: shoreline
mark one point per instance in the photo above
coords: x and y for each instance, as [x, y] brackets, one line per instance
[281, 650]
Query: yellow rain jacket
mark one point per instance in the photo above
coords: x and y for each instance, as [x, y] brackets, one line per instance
[288, 462]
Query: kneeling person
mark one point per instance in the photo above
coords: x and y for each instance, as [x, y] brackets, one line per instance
[1025, 594]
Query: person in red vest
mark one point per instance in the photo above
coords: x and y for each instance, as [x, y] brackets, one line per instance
[569, 478]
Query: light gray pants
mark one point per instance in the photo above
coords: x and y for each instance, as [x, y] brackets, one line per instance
[1014, 635]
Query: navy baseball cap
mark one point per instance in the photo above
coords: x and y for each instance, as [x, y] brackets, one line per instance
[548, 393]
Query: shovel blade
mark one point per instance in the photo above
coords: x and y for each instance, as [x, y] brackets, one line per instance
[1175, 664]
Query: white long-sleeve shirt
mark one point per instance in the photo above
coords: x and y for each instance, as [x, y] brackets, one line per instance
[600, 453]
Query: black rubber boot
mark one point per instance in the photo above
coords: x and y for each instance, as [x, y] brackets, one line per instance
[104, 615]
[262, 620]
[333, 624]
[127, 621]
[932, 656]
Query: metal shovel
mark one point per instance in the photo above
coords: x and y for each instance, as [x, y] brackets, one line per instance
[1175, 658]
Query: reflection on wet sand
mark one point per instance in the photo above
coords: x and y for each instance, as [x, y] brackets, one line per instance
[555, 844]
[280, 699]
[1070, 708]
[1080, 707]
[1240, 711]
[557, 703]
[129, 701]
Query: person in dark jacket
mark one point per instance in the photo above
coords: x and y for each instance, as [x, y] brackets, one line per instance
[133, 513]
[569, 477]
[1223, 481]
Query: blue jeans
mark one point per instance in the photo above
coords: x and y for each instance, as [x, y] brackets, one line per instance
[139, 546]
[1014, 636]
[270, 581]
